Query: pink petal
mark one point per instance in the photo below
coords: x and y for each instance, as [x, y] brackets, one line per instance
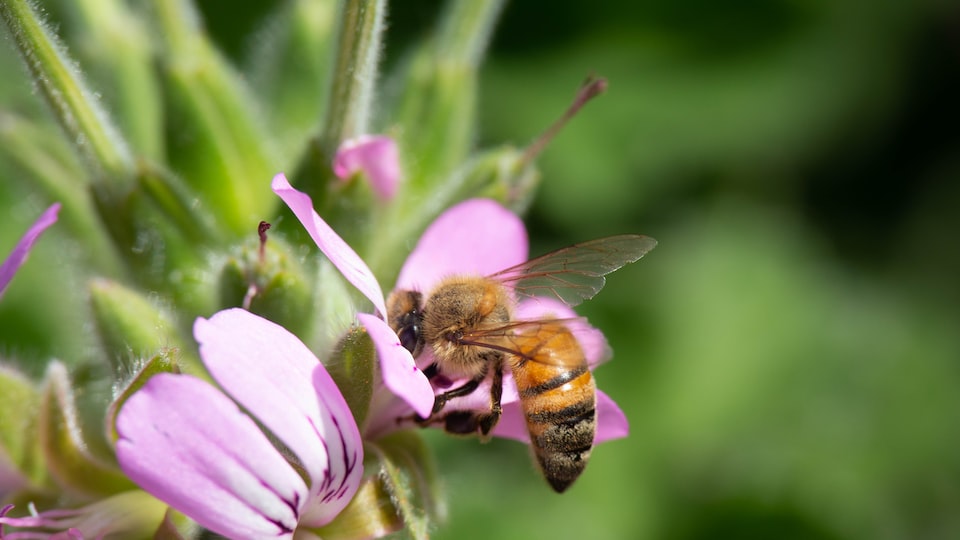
[611, 422]
[376, 157]
[512, 424]
[22, 249]
[191, 447]
[477, 236]
[591, 340]
[400, 373]
[274, 375]
[340, 254]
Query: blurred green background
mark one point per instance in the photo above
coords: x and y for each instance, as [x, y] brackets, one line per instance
[789, 355]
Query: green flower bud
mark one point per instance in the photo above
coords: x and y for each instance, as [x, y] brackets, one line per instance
[268, 281]
[131, 326]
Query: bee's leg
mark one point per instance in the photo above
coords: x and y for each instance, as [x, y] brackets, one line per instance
[441, 400]
[487, 422]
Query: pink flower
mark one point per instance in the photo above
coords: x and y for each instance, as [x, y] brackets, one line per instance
[22, 249]
[397, 368]
[375, 156]
[476, 237]
[188, 444]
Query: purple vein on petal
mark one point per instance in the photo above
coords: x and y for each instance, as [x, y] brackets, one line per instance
[209, 469]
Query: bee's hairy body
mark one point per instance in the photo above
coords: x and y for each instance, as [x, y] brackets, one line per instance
[557, 392]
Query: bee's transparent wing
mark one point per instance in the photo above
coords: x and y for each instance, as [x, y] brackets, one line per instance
[575, 273]
[524, 338]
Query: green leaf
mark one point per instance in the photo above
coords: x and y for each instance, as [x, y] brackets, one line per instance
[64, 449]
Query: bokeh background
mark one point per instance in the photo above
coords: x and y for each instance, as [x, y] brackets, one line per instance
[789, 355]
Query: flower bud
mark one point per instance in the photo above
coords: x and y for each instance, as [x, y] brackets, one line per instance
[268, 281]
[131, 326]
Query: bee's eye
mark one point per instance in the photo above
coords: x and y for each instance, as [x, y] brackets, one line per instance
[410, 331]
[409, 337]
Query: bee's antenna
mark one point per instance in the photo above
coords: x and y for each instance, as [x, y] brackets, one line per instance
[591, 88]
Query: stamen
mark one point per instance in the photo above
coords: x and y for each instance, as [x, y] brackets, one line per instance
[591, 88]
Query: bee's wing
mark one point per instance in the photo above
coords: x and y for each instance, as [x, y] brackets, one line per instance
[575, 273]
[522, 338]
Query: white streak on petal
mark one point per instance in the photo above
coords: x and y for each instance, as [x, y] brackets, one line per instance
[190, 446]
[340, 254]
[276, 377]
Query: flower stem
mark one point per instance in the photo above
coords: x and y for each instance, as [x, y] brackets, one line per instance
[61, 84]
[355, 71]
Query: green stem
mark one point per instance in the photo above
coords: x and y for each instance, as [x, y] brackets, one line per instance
[355, 71]
[61, 84]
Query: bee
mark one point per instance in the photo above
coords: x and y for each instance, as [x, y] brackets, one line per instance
[467, 323]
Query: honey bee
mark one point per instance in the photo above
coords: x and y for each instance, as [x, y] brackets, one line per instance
[468, 324]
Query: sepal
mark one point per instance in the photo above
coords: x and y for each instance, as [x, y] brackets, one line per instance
[216, 138]
[165, 362]
[65, 452]
[131, 326]
[352, 366]
[20, 463]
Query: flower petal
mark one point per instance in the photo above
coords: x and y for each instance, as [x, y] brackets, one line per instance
[374, 155]
[591, 339]
[477, 236]
[22, 249]
[274, 375]
[611, 422]
[340, 254]
[190, 446]
[400, 373]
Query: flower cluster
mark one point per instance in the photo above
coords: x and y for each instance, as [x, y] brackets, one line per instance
[225, 381]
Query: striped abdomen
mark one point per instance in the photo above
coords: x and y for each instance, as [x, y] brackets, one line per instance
[558, 398]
